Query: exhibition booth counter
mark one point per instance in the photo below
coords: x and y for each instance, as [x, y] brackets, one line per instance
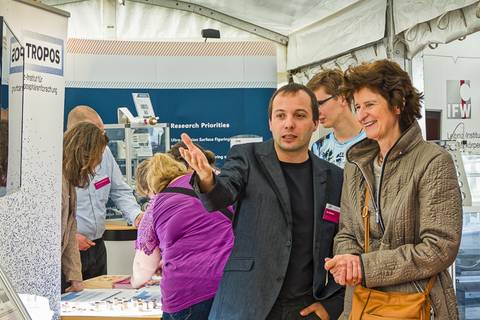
[110, 297]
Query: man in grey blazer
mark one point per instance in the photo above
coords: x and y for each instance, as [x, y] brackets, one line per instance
[286, 217]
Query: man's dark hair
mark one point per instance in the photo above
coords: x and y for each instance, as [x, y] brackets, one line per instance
[293, 88]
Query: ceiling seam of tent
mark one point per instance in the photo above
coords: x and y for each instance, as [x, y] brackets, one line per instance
[219, 16]
[343, 54]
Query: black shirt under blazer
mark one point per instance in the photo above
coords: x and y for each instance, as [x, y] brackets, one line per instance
[252, 177]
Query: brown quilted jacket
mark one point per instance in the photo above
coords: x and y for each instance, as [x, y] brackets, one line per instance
[421, 207]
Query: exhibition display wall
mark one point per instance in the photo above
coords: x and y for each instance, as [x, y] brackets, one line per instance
[212, 90]
[453, 90]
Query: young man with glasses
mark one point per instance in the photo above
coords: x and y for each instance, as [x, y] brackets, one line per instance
[336, 113]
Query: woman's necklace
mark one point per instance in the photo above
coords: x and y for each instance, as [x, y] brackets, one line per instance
[380, 159]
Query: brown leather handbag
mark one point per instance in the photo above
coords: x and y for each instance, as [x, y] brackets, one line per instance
[370, 304]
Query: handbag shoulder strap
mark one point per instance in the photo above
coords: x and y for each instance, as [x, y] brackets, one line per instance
[191, 193]
[429, 285]
[366, 220]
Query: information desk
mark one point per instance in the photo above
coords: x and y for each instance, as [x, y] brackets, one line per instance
[100, 301]
[116, 232]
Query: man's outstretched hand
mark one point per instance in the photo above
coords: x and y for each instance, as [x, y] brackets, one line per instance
[198, 162]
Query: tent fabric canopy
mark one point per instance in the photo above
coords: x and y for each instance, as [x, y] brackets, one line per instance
[424, 11]
[317, 30]
[353, 27]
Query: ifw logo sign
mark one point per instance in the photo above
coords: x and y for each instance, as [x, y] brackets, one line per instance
[459, 104]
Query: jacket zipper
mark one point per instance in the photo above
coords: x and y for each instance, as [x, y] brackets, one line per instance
[378, 213]
[375, 204]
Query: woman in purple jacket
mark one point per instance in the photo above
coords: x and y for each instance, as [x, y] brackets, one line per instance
[193, 243]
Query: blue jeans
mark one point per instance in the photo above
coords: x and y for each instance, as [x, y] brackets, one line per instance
[199, 311]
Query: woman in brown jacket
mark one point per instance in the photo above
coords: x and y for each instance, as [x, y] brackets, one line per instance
[83, 147]
[416, 207]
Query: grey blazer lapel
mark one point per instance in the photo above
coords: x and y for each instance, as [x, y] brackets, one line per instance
[320, 195]
[267, 157]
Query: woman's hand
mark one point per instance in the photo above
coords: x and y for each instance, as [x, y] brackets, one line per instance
[345, 268]
[75, 286]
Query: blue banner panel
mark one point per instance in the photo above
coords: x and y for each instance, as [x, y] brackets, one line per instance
[209, 116]
[4, 96]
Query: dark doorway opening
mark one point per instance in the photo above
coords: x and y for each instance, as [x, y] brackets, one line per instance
[433, 124]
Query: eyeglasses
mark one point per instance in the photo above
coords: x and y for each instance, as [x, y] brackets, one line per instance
[320, 102]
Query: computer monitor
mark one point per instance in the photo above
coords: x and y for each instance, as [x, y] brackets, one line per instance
[11, 109]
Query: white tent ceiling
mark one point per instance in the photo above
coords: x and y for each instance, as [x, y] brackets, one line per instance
[316, 30]
[284, 17]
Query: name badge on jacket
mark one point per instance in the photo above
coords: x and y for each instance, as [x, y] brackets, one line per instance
[331, 213]
[102, 183]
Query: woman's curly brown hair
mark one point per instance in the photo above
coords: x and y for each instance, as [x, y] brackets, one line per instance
[83, 147]
[386, 78]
